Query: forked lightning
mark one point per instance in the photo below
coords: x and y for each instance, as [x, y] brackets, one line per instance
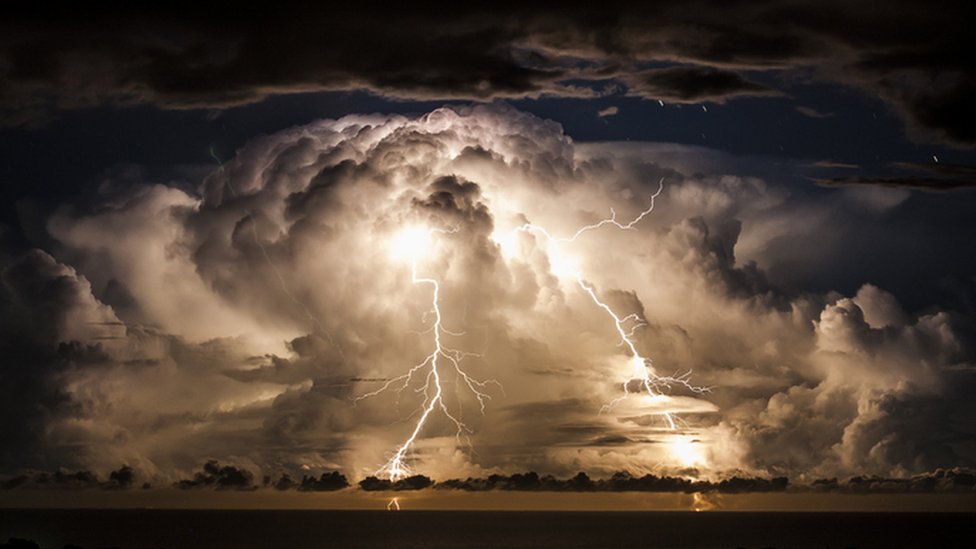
[416, 241]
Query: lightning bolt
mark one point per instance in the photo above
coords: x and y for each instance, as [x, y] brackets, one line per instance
[442, 360]
[643, 374]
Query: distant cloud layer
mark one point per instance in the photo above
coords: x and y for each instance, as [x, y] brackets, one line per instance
[228, 477]
[933, 177]
[164, 328]
[692, 84]
[906, 53]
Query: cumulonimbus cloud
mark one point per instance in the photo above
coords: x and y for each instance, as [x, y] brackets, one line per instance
[240, 322]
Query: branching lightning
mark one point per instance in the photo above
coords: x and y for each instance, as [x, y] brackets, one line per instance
[442, 360]
[652, 384]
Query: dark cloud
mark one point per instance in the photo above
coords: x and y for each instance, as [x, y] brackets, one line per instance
[213, 475]
[414, 482]
[284, 482]
[59, 479]
[933, 177]
[44, 306]
[694, 84]
[217, 59]
[619, 482]
[122, 477]
[327, 482]
[940, 480]
[904, 52]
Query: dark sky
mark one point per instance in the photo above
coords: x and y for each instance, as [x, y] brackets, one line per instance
[820, 160]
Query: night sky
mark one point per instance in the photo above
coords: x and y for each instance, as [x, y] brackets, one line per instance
[243, 248]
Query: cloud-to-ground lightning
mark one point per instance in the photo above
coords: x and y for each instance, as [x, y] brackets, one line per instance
[414, 242]
[651, 383]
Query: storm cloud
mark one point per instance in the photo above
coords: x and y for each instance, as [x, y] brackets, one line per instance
[241, 320]
[909, 55]
[690, 84]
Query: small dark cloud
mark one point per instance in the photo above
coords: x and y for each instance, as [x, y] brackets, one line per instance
[694, 84]
[327, 482]
[213, 475]
[122, 477]
[415, 482]
[284, 482]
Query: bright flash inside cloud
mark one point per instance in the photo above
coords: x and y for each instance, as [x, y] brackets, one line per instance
[411, 244]
[564, 264]
[651, 385]
[508, 242]
[686, 451]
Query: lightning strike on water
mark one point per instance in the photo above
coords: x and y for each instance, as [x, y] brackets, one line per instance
[416, 241]
[643, 373]
[394, 505]
[701, 503]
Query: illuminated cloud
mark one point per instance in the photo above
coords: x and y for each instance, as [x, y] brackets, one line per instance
[241, 321]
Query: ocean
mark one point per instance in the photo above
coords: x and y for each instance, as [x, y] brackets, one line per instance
[244, 529]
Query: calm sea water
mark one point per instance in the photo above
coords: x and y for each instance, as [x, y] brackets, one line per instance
[139, 529]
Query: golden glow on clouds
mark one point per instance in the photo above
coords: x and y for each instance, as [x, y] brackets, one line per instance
[199, 293]
[508, 242]
[410, 244]
[686, 451]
